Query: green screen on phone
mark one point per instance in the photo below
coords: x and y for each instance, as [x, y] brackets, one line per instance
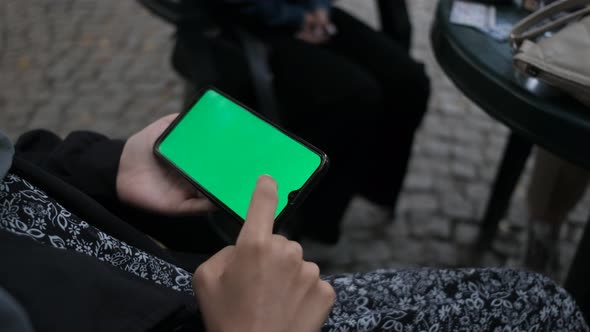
[224, 148]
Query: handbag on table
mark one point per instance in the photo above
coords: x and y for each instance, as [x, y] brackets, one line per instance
[561, 60]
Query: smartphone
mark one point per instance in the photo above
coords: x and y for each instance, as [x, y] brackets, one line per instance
[222, 147]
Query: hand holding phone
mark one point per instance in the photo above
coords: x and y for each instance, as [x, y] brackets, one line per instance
[222, 148]
[143, 182]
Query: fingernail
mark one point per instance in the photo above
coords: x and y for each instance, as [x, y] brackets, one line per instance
[268, 178]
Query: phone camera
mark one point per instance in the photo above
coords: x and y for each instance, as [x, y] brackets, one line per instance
[292, 196]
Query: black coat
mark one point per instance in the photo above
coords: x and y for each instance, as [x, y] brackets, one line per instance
[64, 290]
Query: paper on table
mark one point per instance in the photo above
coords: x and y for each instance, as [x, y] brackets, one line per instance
[472, 14]
[481, 17]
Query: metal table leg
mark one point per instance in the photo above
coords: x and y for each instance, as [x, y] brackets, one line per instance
[515, 155]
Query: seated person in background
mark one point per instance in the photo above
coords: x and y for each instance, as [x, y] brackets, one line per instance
[556, 186]
[352, 91]
[69, 264]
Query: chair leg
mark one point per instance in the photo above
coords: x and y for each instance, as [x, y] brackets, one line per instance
[395, 21]
[515, 155]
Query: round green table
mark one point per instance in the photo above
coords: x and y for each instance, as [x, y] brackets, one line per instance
[481, 68]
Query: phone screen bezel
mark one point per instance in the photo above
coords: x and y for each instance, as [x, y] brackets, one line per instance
[291, 204]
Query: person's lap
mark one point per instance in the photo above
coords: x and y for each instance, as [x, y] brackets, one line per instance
[336, 105]
[427, 299]
[405, 91]
[402, 78]
[358, 61]
[360, 97]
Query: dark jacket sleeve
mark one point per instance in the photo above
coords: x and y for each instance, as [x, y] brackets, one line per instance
[86, 160]
[89, 162]
[273, 13]
[325, 4]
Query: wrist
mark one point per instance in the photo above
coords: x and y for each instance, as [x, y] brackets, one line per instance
[120, 175]
[105, 168]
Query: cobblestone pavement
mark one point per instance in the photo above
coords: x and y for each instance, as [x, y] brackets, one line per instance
[104, 66]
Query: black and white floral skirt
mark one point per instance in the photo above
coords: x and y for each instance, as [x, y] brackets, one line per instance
[430, 300]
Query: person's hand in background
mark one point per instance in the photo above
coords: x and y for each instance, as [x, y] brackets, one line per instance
[144, 182]
[322, 19]
[262, 283]
[317, 27]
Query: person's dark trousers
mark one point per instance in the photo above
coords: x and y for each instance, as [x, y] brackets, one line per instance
[359, 97]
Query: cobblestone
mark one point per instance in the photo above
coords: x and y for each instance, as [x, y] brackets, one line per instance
[105, 66]
[456, 206]
[421, 202]
[443, 252]
[491, 259]
[420, 181]
[470, 153]
[466, 233]
[431, 226]
[511, 244]
[463, 170]
[437, 148]
[377, 250]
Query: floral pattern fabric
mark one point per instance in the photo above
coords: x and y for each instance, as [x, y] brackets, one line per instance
[420, 300]
[436, 300]
[25, 210]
